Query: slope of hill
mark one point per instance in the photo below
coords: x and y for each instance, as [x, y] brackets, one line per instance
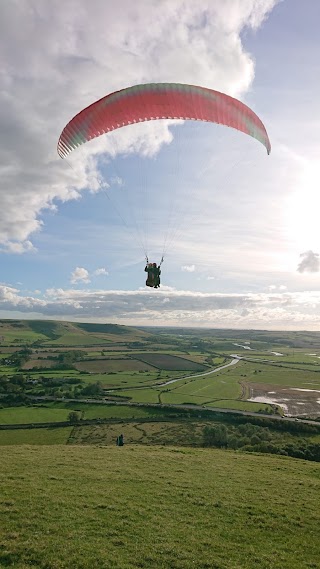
[50, 332]
[133, 507]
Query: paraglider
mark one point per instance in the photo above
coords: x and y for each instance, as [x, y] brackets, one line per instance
[154, 272]
[155, 101]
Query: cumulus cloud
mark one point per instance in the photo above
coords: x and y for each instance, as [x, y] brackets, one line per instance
[188, 268]
[55, 62]
[17, 247]
[310, 262]
[80, 275]
[99, 272]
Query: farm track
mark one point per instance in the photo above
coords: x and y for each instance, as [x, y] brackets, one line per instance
[244, 388]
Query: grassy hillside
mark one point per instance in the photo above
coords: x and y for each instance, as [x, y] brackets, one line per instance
[51, 332]
[133, 507]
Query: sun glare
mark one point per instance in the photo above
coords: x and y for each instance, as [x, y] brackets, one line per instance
[302, 215]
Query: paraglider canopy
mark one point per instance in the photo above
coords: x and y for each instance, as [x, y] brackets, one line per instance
[156, 101]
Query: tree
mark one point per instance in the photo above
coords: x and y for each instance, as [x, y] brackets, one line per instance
[93, 389]
[216, 436]
[73, 417]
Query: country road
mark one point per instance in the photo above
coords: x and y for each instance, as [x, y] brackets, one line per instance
[233, 362]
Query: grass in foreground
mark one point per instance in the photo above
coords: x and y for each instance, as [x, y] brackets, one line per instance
[133, 507]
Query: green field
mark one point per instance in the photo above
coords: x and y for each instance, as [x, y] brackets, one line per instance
[24, 415]
[147, 358]
[277, 375]
[73, 339]
[146, 395]
[96, 411]
[50, 436]
[37, 363]
[116, 412]
[241, 405]
[170, 362]
[153, 507]
[218, 386]
[114, 365]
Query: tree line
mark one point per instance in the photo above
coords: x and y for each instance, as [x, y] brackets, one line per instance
[253, 438]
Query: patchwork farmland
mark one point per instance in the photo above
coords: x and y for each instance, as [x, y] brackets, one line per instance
[66, 361]
[170, 363]
[112, 365]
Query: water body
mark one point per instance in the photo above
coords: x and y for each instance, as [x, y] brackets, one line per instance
[301, 389]
[252, 349]
[270, 400]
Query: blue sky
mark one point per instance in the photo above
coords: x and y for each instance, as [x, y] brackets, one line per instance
[241, 226]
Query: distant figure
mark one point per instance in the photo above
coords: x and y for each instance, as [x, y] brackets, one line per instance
[120, 441]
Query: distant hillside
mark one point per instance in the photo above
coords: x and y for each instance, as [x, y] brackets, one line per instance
[56, 333]
[293, 339]
[52, 332]
[104, 328]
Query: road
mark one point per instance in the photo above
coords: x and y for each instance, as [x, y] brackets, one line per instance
[233, 362]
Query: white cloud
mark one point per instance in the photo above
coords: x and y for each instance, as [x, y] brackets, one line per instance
[55, 62]
[188, 268]
[17, 247]
[99, 272]
[80, 275]
[310, 262]
[280, 310]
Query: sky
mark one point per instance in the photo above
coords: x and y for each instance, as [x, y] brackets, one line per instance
[238, 228]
